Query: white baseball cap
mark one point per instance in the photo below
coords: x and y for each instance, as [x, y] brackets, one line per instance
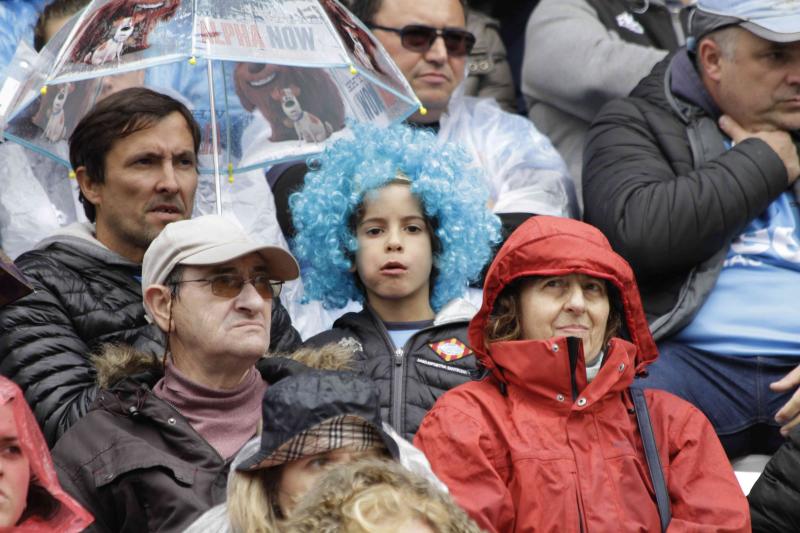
[773, 20]
[209, 240]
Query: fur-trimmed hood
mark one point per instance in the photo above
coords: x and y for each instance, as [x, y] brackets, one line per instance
[118, 361]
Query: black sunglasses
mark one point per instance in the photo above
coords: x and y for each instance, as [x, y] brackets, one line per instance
[419, 38]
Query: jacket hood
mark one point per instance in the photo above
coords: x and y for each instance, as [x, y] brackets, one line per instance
[456, 310]
[552, 246]
[68, 516]
[81, 235]
[119, 361]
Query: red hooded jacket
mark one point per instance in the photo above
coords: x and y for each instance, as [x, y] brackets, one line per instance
[533, 447]
[68, 516]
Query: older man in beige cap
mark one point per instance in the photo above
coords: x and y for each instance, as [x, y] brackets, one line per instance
[154, 451]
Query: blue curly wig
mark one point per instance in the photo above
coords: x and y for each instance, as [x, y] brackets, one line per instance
[452, 194]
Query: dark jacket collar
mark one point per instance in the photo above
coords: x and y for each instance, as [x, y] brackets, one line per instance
[686, 84]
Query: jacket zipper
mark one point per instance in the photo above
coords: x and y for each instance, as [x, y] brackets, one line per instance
[398, 371]
[395, 401]
[396, 411]
[579, 503]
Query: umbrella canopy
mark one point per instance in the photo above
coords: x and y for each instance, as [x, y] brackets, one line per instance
[267, 80]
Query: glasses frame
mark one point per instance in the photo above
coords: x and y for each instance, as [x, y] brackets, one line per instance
[275, 287]
[467, 38]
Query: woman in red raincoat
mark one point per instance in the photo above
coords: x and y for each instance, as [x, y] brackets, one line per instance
[30, 496]
[549, 440]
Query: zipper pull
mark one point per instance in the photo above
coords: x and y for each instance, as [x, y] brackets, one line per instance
[398, 356]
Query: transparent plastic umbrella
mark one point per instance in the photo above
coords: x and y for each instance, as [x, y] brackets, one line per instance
[268, 80]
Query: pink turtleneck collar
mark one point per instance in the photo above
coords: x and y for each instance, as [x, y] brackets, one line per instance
[225, 418]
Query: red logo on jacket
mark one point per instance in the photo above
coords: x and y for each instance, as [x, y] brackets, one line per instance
[450, 350]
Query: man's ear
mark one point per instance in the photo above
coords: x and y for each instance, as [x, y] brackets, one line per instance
[92, 190]
[709, 57]
[158, 300]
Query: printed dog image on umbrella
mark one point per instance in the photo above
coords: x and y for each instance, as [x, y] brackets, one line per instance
[267, 80]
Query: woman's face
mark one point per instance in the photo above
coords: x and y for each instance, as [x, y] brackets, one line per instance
[300, 476]
[575, 305]
[15, 471]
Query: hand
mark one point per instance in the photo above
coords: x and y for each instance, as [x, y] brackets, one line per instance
[780, 141]
[789, 414]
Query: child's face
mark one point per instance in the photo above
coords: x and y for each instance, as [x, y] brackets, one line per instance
[394, 256]
[15, 471]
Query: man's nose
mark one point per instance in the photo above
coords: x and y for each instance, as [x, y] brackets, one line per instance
[248, 299]
[793, 75]
[437, 53]
[169, 180]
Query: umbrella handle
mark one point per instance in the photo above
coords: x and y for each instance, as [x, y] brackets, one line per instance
[214, 139]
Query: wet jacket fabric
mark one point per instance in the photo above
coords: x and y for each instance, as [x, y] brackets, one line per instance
[775, 498]
[134, 460]
[533, 447]
[653, 163]
[85, 296]
[411, 377]
[69, 516]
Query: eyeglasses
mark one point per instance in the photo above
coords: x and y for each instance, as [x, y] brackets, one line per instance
[419, 38]
[230, 285]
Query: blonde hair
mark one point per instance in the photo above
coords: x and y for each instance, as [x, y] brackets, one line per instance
[384, 508]
[376, 496]
[253, 501]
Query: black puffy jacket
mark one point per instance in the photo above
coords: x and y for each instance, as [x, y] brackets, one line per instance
[410, 378]
[85, 296]
[660, 183]
[775, 498]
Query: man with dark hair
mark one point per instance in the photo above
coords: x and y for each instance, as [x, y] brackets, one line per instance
[693, 178]
[135, 158]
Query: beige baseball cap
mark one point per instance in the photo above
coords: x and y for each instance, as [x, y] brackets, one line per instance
[209, 240]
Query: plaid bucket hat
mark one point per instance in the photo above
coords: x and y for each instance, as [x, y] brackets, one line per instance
[315, 412]
[13, 284]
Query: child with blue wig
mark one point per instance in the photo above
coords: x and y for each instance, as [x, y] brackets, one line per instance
[395, 221]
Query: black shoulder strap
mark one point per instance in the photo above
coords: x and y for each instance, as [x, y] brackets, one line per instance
[651, 454]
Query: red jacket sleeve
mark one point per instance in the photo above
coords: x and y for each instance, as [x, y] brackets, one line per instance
[459, 451]
[703, 489]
